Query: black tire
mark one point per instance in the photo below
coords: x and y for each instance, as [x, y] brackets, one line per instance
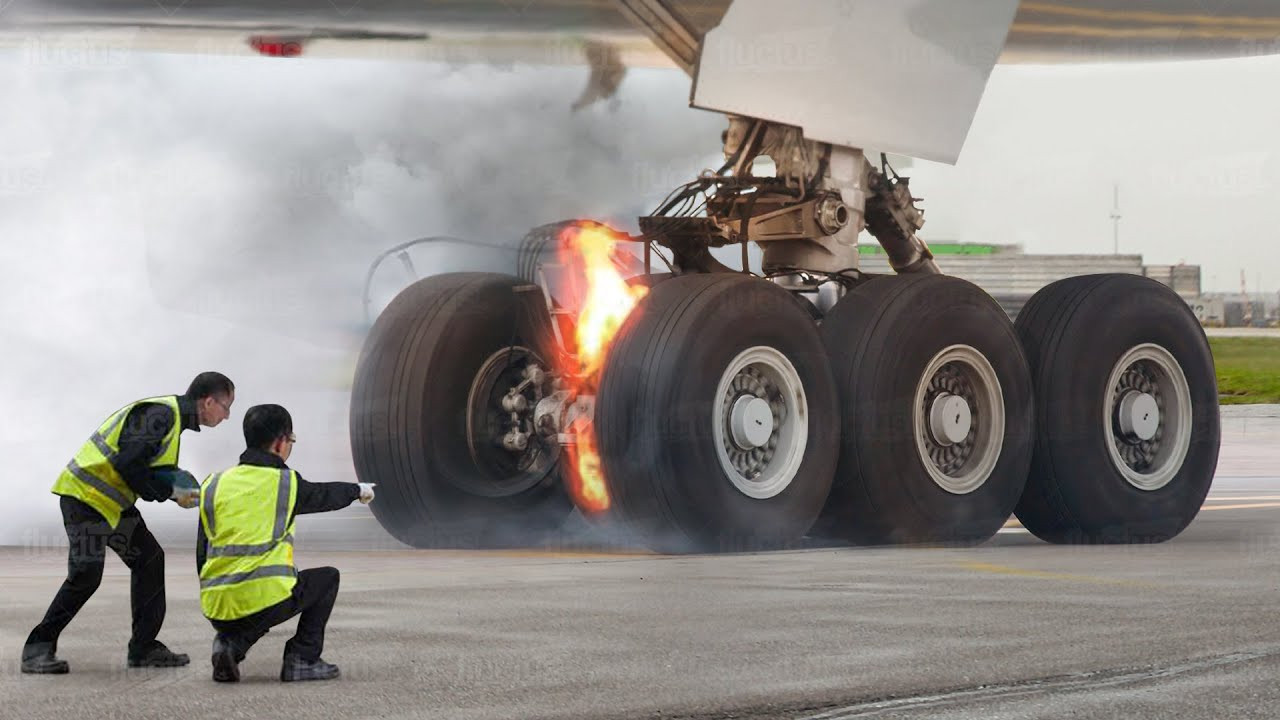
[881, 339]
[410, 409]
[654, 416]
[649, 280]
[1075, 332]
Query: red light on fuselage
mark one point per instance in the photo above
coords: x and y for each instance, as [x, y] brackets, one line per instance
[276, 47]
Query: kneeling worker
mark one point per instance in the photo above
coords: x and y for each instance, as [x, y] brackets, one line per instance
[244, 552]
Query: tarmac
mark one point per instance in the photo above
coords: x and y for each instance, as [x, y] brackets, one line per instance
[1013, 628]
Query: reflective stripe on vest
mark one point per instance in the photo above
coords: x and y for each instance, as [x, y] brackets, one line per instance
[97, 484]
[206, 504]
[99, 438]
[91, 476]
[244, 550]
[247, 515]
[262, 572]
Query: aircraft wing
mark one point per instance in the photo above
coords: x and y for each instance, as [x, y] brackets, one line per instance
[557, 31]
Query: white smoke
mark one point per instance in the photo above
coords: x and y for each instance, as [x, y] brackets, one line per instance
[163, 215]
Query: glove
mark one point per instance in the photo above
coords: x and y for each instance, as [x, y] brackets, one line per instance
[186, 497]
[366, 492]
[186, 491]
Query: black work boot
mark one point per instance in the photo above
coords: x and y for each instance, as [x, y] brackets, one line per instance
[226, 662]
[295, 668]
[39, 659]
[157, 656]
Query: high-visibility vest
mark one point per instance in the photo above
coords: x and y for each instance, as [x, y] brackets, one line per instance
[247, 516]
[91, 476]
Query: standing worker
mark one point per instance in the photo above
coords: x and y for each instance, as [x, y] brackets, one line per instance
[244, 552]
[133, 454]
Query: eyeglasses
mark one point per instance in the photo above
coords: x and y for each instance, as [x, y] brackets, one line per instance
[292, 438]
[224, 405]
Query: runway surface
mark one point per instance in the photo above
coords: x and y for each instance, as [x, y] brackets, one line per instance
[1014, 628]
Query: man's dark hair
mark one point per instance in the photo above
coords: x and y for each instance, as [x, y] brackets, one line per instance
[208, 384]
[263, 424]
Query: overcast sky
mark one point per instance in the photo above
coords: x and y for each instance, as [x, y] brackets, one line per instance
[163, 215]
[1194, 147]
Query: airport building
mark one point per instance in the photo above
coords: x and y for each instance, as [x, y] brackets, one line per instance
[1012, 277]
[1238, 310]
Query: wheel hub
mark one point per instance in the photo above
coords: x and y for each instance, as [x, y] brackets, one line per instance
[948, 392]
[500, 433]
[1134, 426]
[751, 395]
[1139, 415]
[1148, 409]
[950, 419]
[751, 422]
[760, 422]
[959, 419]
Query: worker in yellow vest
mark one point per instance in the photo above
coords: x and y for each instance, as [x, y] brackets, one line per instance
[133, 454]
[244, 551]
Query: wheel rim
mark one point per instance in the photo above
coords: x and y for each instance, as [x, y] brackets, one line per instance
[504, 472]
[959, 419]
[760, 391]
[1147, 411]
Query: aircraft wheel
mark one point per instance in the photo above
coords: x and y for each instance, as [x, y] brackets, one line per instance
[936, 402]
[428, 418]
[648, 281]
[716, 418]
[1127, 411]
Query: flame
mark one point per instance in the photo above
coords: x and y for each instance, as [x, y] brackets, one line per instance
[605, 303]
[608, 301]
[590, 492]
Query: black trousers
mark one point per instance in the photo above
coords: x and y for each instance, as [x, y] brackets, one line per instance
[90, 536]
[313, 597]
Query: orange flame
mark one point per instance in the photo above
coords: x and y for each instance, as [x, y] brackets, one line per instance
[590, 492]
[609, 300]
[605, 304]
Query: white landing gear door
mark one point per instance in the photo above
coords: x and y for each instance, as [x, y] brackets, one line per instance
[900, 76]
